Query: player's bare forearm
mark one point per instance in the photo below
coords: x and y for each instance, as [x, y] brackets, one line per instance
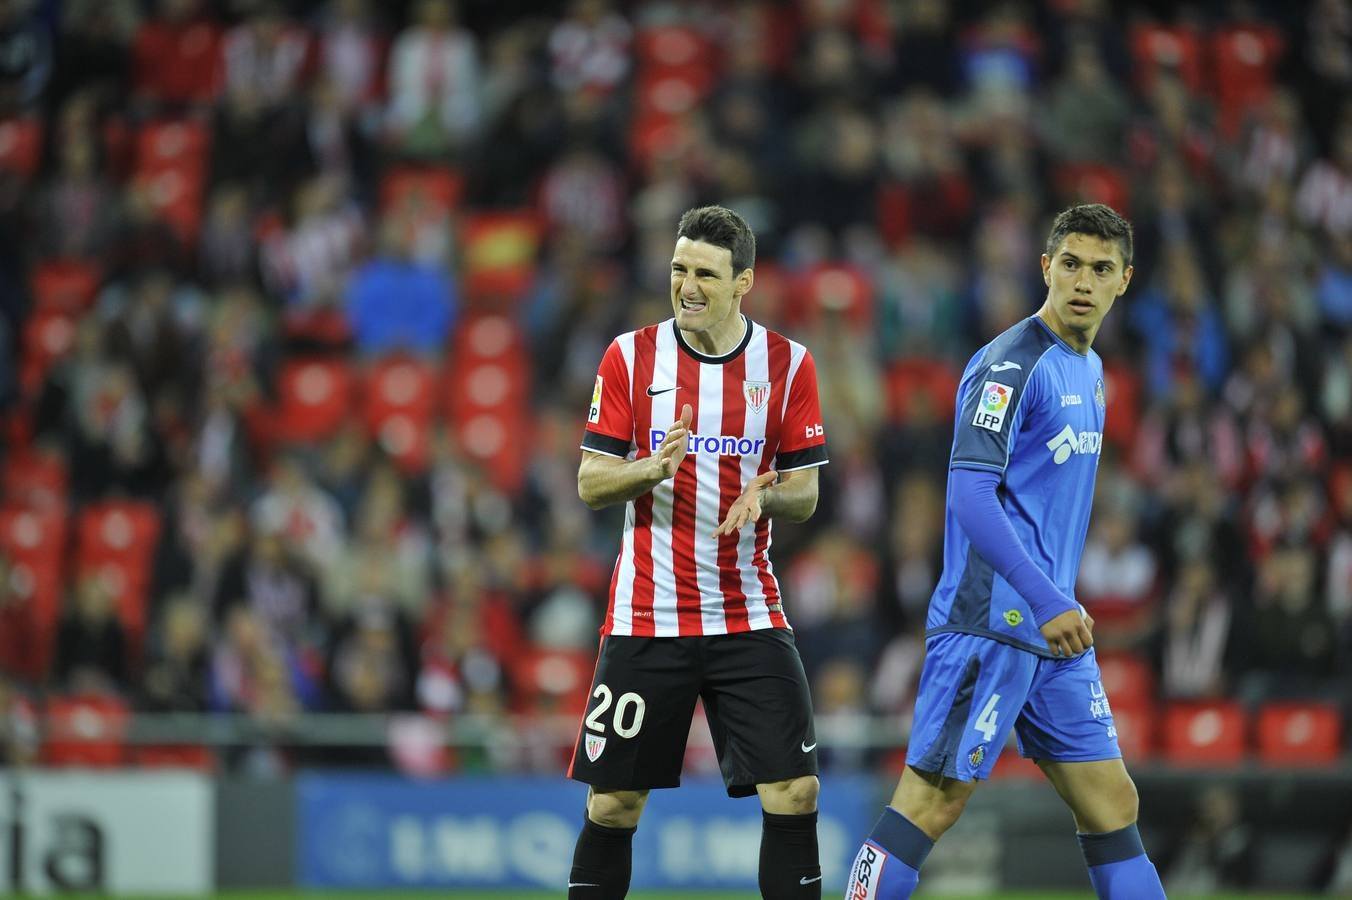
[793, 498]
[605, 480]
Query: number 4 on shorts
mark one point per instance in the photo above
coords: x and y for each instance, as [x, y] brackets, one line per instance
[985, 723]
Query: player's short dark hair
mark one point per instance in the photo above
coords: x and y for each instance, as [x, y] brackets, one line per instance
[1094, 219]
[721, 227]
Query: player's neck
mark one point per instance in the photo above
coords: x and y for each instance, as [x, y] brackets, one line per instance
[1078, 341]
[720, 340]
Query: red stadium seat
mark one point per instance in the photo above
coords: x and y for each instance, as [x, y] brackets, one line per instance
[20, 146]
[1244, 60]
[1299, 734]
[1176, 49]
[314, 398]
[48, 335]
[553, 679]
[1094, 183]
[434, 190]
[1128, 679]
[672, 47]
[118, 530]
[399, 385]
[1210, 734]
[839, 289]
[34, 479]
[1135, 729]
[85, 732]
[171, 165]
[64, 284]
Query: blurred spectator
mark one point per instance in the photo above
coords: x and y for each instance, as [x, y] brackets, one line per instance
[1324, 198]
[93, 48]
[91, 646]
[1194, 651]
[352, 55]
[434, 75]
[373, 658]
[397, 302]
[280, 592]
[78, 211]
[18, 625]
[177, 666]
[583, 193]
[266, 55]
[1117, 579]
[229, 254]
[1216, 851]
[19, 736]
[307, 261]
[590, 48]
[25, 58]
[1088, 113]
[1291, 643]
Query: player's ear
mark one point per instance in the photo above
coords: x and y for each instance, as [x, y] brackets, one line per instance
[1126, 280]
[1047, 270]
[744, 281]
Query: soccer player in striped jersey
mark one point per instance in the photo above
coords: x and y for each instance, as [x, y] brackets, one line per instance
[1007, 646]
[705, 426]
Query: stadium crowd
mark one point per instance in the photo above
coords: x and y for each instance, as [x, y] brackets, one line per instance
[301, 306]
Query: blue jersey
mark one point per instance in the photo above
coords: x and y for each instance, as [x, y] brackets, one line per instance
[1031, 409]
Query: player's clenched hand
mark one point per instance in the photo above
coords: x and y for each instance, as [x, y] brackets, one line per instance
[747, 507]
[1069, 634]
[671, 451]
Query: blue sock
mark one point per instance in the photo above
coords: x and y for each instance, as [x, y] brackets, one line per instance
[1118, 866]
[888, 865]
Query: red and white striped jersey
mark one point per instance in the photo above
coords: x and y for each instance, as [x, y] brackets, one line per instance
[754, 407]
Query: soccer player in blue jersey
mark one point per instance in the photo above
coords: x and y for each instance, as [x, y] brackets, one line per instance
[1007, 645]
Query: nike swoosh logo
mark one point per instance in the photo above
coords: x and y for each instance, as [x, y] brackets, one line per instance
[808, 748]
[573, 884]
[653, 391]
[806, 880]
[1000, 367]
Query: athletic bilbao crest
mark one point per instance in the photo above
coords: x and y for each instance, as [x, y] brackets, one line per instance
[595, 745]
[757, 394]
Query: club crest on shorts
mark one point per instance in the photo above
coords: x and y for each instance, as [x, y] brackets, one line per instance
[595, 745]
[975, 758]
[757, 394]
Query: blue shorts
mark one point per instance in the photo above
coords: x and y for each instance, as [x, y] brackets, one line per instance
[973, 690]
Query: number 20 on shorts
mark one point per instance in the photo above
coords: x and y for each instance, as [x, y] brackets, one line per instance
[622, 713]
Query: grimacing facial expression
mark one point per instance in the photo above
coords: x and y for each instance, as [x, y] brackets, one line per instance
[1084, 278]
[705, 293]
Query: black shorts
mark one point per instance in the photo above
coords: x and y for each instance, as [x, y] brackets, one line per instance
[643, 699]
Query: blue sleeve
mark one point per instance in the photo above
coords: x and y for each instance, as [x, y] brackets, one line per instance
[990, 407]
[977, 508]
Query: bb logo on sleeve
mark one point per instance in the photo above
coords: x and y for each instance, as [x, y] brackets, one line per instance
[594, 415]
[991, 408]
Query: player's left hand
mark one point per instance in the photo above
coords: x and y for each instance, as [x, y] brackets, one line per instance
[747, 507]
[1069, 634]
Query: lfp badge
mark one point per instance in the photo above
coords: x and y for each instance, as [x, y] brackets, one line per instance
[994, 402]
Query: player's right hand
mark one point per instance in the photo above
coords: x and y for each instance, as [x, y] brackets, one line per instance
[1069, 634]
[671, 451]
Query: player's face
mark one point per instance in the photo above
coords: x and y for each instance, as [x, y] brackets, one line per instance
[1083, 278]
[705, 293]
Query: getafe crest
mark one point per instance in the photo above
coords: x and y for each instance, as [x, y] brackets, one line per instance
[595, 746]
[757, 394]
[1099, 397]
[977, 756]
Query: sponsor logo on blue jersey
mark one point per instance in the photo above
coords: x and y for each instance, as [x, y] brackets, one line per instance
[1067, 442]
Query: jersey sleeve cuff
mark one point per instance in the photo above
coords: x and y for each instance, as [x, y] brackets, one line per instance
[605, 444]
[976, 464]
[806, 458]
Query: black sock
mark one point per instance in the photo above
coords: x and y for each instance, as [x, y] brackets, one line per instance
[789, 865]
[602, 862]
